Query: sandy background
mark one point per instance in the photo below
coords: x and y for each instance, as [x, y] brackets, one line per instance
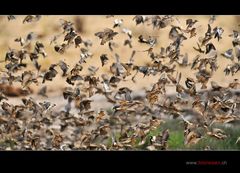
[48, 26]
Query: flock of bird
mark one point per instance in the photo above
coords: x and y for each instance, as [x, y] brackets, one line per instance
[34, 125]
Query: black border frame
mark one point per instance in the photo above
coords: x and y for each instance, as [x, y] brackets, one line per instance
[120, 160]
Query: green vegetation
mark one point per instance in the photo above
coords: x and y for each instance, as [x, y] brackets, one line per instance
[176, 138]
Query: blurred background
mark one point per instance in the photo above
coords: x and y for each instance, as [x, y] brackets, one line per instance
[49, 26]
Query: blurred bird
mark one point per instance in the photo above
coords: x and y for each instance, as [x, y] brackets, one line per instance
[106, 35]
[117, 23]
[228, 54]
[140, 19]
[11, 17]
